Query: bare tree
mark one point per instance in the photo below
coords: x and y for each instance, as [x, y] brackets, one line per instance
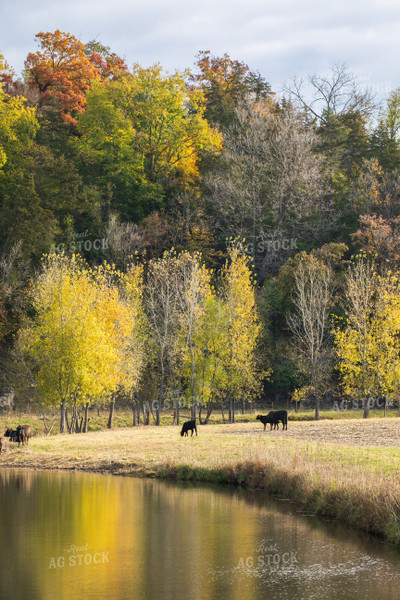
[162, 304]
[272, 178]
[124, 239]
[310, 322]
[193, 290]
[336, 93]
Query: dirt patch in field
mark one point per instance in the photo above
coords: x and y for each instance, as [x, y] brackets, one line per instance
[357, 432]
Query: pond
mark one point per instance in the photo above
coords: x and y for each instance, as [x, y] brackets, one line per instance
[85, 536]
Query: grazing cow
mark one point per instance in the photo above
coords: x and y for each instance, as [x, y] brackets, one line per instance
[12, 434]
[189, 425]
[4, 443]
[274, 417]
[24, 433]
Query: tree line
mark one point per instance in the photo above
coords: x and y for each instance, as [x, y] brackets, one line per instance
[165, 169]
[96, 333]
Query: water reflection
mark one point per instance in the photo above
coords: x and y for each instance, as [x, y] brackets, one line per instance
[82, 536]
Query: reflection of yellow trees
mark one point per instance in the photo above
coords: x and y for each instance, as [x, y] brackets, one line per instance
[162, 540]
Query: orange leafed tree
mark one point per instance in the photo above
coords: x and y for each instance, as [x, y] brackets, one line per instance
[62, 72]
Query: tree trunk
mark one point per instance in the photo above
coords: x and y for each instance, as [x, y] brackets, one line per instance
[146, 413]
[231, 411]
[366, 409]
[317, 408]
[316, 390]
[176, 411]
[86, 422]
[208, 413]
[63, 408]
[111, 413]
[72, 428]
[137, 403]
[158, 413]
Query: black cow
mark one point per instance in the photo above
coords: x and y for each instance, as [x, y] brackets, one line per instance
[21, 434]
[189, 425]
[274, 417]
[24, 433]
[12, 434]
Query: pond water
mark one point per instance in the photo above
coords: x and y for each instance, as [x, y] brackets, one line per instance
[84, 536]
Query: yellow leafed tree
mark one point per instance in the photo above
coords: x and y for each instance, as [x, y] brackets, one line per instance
[79, 337]
[242, 377]
[367, 342]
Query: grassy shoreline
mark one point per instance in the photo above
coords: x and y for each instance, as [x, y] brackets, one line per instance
[357, 485]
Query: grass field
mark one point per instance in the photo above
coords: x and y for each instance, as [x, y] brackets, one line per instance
[347, 469]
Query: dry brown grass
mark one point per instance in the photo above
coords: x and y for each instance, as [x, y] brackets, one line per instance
[348, 470]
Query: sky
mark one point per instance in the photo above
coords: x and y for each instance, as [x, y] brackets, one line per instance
[279, 38]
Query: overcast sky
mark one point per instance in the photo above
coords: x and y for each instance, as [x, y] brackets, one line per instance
[279, 38]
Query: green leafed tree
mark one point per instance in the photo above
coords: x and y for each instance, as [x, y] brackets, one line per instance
[18, 124]
[144, 133]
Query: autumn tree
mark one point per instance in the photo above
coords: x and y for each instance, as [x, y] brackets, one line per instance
[119, 312]
[163, 314]
[108, 64]
[269, 182]
[211, 344]
[341, 109]
[62, 72]
[18, 124]
[194, 290]
[309, 323]
[41, 198]
[225, 83]
[380, 239]
[239, 361]
[77, 341]
[367, 341]
[143, 133]
[135, 351]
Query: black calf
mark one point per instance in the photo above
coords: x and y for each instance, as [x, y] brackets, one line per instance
[273, 418]
[189, 425]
